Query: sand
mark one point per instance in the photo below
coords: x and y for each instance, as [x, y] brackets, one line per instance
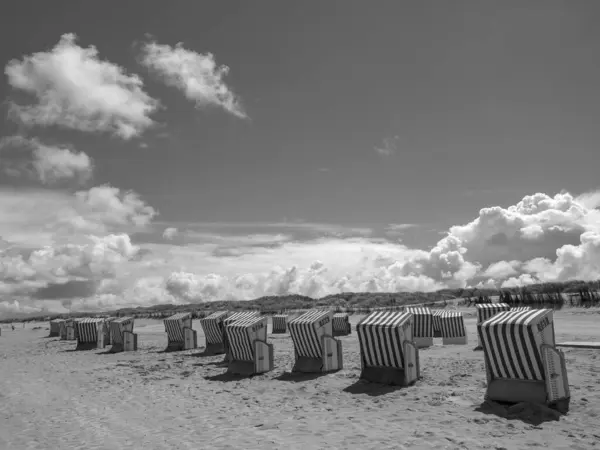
[53, 397]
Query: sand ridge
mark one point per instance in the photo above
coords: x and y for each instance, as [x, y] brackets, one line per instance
[54, 397]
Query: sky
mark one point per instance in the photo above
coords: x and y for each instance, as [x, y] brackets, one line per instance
[186, 152]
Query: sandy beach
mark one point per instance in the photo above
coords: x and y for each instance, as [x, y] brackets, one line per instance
[54, 397]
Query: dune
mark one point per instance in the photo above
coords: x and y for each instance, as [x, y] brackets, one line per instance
[54, 397]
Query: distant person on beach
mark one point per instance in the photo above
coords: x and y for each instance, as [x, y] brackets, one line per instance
[13, 327]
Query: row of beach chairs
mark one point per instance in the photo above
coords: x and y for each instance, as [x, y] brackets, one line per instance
[521, 360]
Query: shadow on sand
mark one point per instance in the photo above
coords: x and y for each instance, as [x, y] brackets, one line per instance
[371, 389]
[226, 377]
[529, 413]
[211, 363]
[298, 377]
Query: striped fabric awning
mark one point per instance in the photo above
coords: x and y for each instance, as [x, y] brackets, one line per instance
[240, 315]
[180, 316]
[511, 342]
[452, 324]
[435, 314]
[87, 329]
[488, 310]
[213, 326]
[423, 321]
[279, 323]
[381, 335]
[241, 335]
[174, 326]
[306, 331]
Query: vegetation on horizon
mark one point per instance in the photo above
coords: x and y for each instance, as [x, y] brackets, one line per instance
[549, 295]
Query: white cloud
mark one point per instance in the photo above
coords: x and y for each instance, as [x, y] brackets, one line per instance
[100, 266]
[73, 88]
[389, 146]
[48, 163]
[197, 75]
[34, 218]
[170, 233]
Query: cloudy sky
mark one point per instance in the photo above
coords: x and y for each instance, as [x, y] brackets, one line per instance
[175, 152]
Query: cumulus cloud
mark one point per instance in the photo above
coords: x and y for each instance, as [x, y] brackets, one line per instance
[32, 218]
[50, 164]
[170, 233]
[388, 147]
[197, 75]
[71, 87]
[546, 238]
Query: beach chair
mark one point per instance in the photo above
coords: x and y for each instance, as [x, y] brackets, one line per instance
[231, 318]
[108, 338]
[122, 337]
[55, 327]
[435, 322]
[279, 324]
[388, 353]
[521, 361]
[453, 330]
[90, 333]
[249, 351]
[422, 326]
[213, 327]
[341, 324]
[315, 348]
[180, 335]
[520, 308]
[486, 311]
[66, 330]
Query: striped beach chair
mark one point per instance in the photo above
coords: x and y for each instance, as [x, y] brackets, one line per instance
[279, 324]
[521, 361]
[250, 353]
[213, 327]
[122, 337]
[55, 327]
[341, 324]
[453, 330]
[108, 321]
[388, 353]
[486, 311]
[67, 330]
[315, 348]
[435, 320]
[232, 318]
[180, 335]
[520, 308]
[422, 326]
[90, 333]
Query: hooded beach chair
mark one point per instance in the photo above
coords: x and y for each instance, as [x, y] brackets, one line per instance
[214, 328]
[279, 324]
[341, 324]
[55, 327]
[249, 351]
[521, 361]
[180, 335]
[122, 336]
[422, 326]
[388, 353]
[315, 348]
[453, 330]
[90, 333]
[231, 318]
